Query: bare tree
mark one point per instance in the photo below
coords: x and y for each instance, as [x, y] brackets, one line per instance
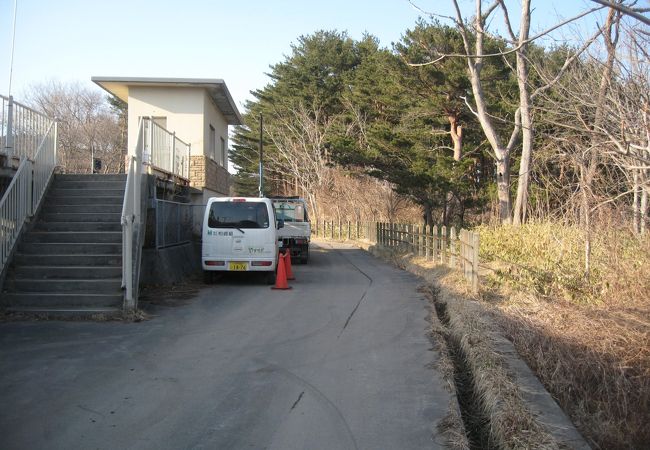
[474, 34]
[299, 134]
[87, 127]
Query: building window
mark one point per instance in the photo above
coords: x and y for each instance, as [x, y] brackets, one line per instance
[212, 150]
[224, 153]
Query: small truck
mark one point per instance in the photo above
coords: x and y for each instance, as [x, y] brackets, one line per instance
[296, 233]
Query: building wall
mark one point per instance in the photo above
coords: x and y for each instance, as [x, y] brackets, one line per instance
[206, 173]
[214, 117]
[182, 106]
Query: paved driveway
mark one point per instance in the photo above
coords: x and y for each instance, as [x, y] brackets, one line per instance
[341, 361]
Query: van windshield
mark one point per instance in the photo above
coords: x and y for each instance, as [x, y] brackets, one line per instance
[290, 211]
[238, 215]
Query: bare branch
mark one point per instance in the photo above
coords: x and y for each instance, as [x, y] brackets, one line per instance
[515, 49]
[632, 12]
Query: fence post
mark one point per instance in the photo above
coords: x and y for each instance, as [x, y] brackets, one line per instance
[452, 247]
[423, 240]
[466, 255]
[443, 245]
[434, 233]
[475, 248]
[414, 240]
[462, 253]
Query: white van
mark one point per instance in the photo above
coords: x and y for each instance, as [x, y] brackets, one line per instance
[240, 235]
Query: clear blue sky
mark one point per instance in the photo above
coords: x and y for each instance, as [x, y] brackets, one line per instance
[72, 40]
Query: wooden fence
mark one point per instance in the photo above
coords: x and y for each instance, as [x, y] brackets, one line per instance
[455, 249]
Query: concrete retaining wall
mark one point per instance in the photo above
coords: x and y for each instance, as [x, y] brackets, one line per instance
[170, 265]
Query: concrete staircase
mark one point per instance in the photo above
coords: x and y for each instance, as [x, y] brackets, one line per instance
[71, 261]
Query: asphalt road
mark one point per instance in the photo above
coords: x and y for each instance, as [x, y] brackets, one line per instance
[341, 361]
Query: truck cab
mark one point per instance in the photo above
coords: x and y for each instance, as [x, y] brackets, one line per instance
[296, 233]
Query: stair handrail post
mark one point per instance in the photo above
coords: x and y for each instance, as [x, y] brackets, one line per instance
[9, 142]
[173, 158]
[189, 158]
[151, 137]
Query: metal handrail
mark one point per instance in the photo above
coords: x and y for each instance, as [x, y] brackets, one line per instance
[130, 217]
[164, 151]
[22, 128]
[14, 209]
[44, 163]
[25, 192]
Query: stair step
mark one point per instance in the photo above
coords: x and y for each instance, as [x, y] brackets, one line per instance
[41, 272]
[90, 184]
[90, 177]
[94, 208]
[104, 200]
[44, 299]
[79, 312]
[81, 217]
[79, 286]
[78, 226]
[56, 192]
[21, 259]
[69, 249]
[74, 237]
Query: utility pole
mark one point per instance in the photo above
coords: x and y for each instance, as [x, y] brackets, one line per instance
[9, 141]
[261, 169]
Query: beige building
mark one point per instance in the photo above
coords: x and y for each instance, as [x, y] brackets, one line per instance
[198, 111]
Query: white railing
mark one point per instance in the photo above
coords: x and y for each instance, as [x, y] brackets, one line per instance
[23, 129]
[131, 221]
[24, 193]
[15, 206]
[163, 150]
[44, 163]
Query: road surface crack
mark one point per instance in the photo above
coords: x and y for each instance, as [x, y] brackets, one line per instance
[365, 292]
[297, 401]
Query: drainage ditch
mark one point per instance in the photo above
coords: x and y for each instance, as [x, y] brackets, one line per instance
[475, 420]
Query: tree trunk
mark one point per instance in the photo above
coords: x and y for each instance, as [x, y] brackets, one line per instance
[428, 215]
[521, 201]
[503, 188]
[587, 225]
[456, 131]
[644, 210]
[636, 208]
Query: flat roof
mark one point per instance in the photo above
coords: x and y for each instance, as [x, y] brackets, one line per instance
[217, 89]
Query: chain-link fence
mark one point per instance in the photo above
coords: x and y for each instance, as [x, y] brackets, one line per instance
[175, 222]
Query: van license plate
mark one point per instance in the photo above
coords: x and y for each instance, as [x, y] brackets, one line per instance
[237, 266]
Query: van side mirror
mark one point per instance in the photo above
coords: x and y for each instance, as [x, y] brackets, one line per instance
[280, 224]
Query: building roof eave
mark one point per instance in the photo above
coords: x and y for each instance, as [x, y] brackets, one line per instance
[216, 88]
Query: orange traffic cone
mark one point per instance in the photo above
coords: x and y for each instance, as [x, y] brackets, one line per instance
[287, 260]
[281, 275]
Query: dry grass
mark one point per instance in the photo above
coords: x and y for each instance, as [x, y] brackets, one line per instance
[495, 397]
[588, 341]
